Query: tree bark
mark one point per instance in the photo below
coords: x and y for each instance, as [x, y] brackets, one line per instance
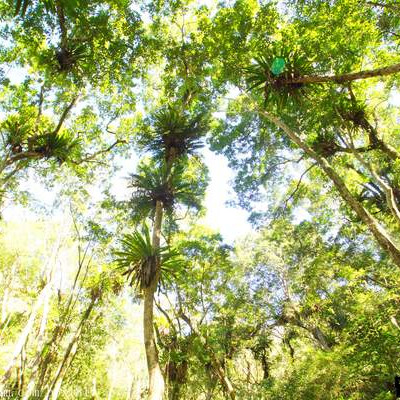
[214, 362]
[4, 304]
[376, 142]
[156, 379]
[344, 78]
[55, 385]
[62, 24]
[223, 378]
[386, 188]
[23, 338]
[380, 234]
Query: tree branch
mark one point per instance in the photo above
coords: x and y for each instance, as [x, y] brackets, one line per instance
[65, 114]
[90, 157]
[379, 232]
[394, 7]
[353, 76]
[299, 183]
[40, 105]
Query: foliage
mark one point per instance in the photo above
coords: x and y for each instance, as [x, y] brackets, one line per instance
[175, 134]
[183, 185]
[276, 85]
[138, 259]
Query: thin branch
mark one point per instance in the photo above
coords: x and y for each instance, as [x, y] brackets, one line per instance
[90, 157]
[40, 105]
[65, 114]
[74, 222]
[374, 140]
[299, 183]
[116, 115]
[11, 174]
[165, 315]
[386, 188]
[26, 155]
[173, 308]
[286, 161]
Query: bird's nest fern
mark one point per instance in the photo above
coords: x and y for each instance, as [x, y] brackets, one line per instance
[137, 259]
[174, 133]
[273, 73]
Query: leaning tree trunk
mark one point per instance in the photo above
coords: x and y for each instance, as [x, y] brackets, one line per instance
[7, 290]
[55, 384]
[156, 380]
[380, 234]
[23, 338]
[223, 378]
[385, 187]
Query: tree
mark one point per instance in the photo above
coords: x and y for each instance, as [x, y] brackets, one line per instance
[291, 83]
[160, 187]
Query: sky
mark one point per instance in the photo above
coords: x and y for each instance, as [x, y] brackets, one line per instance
[230, 222]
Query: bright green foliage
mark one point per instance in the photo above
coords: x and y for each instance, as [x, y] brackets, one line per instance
[272, 69]
[184, 185]
[137, 258]
[174, 133]
[75, 41]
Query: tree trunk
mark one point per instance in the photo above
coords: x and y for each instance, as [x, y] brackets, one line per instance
[55, 385]
[386, 188]
[40, 365]
[375, 142]
[62, 24]
[156, 380]
[94, 394]
[380, 234]
[4, 304]
[54, 392]
[23, 338]
[344, 78]
[130, 393]
[223, 378]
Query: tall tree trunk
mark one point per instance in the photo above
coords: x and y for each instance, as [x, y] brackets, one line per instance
[62, 24]
[210, 387]
[95, 395]
[130, 393]
[55, 389]
[380, 234]
[42, 361]
[156, 380]
[344, 78]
